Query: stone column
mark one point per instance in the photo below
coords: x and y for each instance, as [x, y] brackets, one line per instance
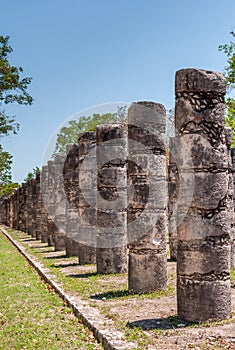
[26, 207]
[172, 203]
[16, 209]
[71, 190]
[1, 210]
[146, 216]
[233, 236]
[111, 156]
[228, 139]
[38, 207]
[34, 201]
[86, 198]
[50, 206]
[20, 208]
[44, 203]
[59, 205]
[203, 259]
[11, 212]
[7, 211]
[30, 207]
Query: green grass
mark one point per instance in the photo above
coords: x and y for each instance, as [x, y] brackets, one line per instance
[31, 315]
[232, 275]
[137, 335]
[95, 287]
[91, 285]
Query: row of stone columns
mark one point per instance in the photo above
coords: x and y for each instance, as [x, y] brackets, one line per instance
[106, 201]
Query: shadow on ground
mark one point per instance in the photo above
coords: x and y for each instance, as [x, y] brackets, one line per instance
[64, 256]
[112, 294]
[28, 239]
[67, 264]
[171, 322]
[83, 275]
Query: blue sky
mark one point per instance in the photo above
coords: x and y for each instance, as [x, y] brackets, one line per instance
[82, 53]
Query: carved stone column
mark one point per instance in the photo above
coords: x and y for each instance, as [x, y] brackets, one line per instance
[38, 207]
[26, 206]
[203, 259]
[44, 210]
[33, 212]
[20, 226]
[147, 221]
[172, 203]
[71, 190]
[51, 202]
[111, 156]
[86, 198]
[233, 227]
[59, 204]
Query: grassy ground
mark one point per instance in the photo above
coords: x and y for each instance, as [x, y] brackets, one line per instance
[91, 284]
[155, 323]
[31, 315]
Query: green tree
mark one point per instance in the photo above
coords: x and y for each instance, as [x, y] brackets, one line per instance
[5, 166]
[32, 174]
[69, 134]
[229, 71]
[13, 89]
[7, 187]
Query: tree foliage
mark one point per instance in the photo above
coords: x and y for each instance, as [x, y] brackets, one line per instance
[5, 166]
[229, 71]
[32, 174]
[69, 134]
[13, 89]
[7, 187]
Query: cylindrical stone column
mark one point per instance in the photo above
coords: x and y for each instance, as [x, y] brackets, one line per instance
[11, 212]
[233, 226]
[87, 198]
[71, 190]
[34, 201]
[228, 139]
[50, 205]
[16, 209]
[38, 207]
[172, 203]
[59, 205]
[203, 258]
[111, 156]
[44, 203]
[20, 226]
[30, 207]
[27, 205]
[147, 197]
